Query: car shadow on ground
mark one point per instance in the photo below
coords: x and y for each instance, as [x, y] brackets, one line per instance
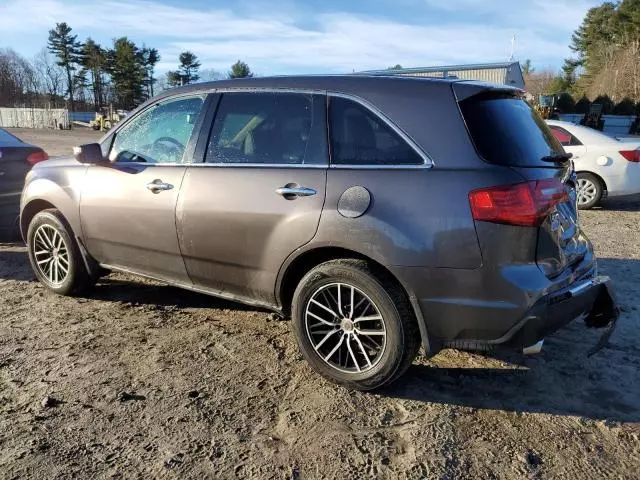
[14, 263]
[115, 290]
[537, 389]
[561, 383]
[620, 204]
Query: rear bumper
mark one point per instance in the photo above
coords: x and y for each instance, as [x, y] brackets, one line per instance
[625, 183]
[515, 306]
[591, 299]
[9, 215]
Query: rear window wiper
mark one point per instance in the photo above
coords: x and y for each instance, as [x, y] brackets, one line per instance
[557, 157]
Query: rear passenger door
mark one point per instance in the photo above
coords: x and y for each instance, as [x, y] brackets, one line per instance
[258, 194]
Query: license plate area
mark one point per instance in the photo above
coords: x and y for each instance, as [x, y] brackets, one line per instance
[604, 314]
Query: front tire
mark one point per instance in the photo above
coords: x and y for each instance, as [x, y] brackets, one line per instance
[354, 324]
[589, 189]
[54, 254]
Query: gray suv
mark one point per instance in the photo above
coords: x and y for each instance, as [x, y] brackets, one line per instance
[379, 213]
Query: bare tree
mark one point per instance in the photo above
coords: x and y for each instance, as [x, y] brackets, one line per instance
[51, 77]
[18, 82]
[539, 82]
[210, 75]
[620, 76]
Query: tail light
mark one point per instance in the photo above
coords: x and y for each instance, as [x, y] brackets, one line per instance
[631, 155]
[525, 204]
[36, 157]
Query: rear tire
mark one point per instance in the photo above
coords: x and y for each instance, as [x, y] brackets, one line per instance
[345, 346]
[54, 254]
[589, 189]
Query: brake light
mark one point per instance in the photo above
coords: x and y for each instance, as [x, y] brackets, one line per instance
[36, 157]
[525, 204]
[631, 155]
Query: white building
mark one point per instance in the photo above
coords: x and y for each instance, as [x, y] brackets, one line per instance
[506, 73]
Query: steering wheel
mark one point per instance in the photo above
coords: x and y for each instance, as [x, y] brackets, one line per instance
[166, 152]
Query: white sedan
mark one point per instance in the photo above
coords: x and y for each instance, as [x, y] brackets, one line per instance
[605, 166]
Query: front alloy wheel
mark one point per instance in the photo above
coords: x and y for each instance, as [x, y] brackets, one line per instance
[55, 256]
[51, 254]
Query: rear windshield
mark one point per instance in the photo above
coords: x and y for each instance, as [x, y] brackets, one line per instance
[507, 131]
[6, 137]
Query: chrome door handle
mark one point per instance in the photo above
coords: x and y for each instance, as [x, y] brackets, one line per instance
[158, 186]
[290, 193]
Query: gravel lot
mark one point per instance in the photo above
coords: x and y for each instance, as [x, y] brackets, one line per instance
[142, 380]
[57, 142]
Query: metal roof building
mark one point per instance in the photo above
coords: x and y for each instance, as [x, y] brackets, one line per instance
[507, 73]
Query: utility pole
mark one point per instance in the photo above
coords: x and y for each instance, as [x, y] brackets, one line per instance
[513, 48]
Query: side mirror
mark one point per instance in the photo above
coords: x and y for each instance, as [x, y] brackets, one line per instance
[89, 153]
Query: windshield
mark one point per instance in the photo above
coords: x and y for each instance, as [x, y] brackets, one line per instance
[507, 131]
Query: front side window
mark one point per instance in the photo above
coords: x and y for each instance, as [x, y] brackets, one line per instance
[160, 134]
[359, 137]
[267, 128]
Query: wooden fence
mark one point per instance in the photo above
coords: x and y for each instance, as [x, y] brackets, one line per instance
[34, 117]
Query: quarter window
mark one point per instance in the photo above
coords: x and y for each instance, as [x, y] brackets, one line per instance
[160, 134]
[268, 128]
[358, 137]
[564, 137]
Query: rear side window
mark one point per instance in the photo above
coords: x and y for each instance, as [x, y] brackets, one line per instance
[507, 131]
[359, 137]
[564, 137]
[268, 128]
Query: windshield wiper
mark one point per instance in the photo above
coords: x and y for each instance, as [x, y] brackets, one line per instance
[557, 157]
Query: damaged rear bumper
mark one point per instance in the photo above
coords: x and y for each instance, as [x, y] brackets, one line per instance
[592, 299]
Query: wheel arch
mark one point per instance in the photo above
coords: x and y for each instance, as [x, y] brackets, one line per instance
[29, 211]
[299, 265]
[598, 176]
[52, 188]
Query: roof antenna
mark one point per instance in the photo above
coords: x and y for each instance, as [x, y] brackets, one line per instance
[513, 47]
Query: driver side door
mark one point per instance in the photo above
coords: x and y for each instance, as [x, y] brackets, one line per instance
[128, 204]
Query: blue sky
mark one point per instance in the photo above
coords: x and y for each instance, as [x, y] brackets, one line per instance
[286, 36]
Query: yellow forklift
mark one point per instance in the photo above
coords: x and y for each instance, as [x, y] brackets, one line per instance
[546, 107]
[106, 118]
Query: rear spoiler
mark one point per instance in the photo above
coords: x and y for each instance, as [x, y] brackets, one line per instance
[465, 89]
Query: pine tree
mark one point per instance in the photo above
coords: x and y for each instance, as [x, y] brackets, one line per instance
[94, 59]
[80, 85]
[127, 73]
[240, 70]
[67, 48]
[150, 57]
[188, 68]
[174, 78]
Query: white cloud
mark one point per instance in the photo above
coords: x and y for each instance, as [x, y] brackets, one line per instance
[563, 15]
[338, 41]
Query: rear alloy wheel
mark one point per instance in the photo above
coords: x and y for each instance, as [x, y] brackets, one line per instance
[345, 328]
[354, 325]
[589, 191]
[55, 257]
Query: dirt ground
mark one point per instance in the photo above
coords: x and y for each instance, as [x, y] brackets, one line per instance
[56, 142]
[141, 380]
